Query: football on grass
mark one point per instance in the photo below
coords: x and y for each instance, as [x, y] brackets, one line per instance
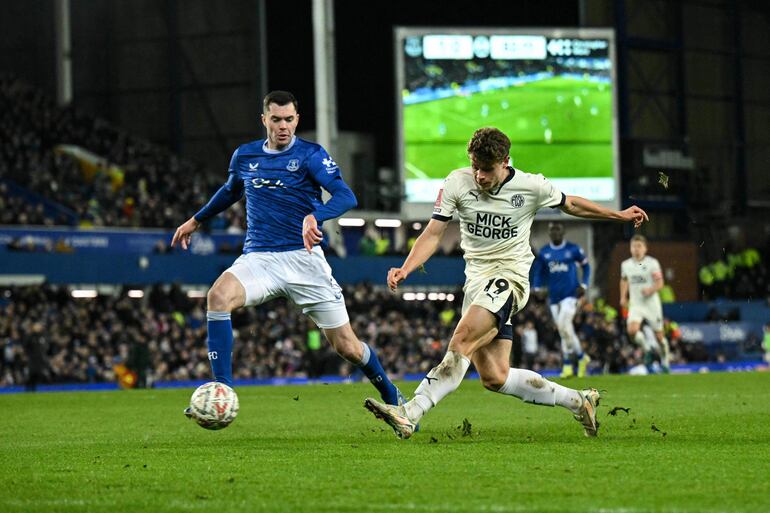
[214, 405]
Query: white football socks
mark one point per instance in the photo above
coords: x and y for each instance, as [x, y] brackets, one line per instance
[652, 340]
[666, 357]
[641, 340]
[533, 388]
[442, 380]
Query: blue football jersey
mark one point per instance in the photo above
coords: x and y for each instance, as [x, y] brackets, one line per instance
[281, 188]
[556, 268]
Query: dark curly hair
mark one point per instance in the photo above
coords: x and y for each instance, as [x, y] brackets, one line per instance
[489, 146]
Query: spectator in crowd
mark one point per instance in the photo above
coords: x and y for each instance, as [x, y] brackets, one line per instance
[35, 347]
[85, 338]
[529, 344]
[140, 184]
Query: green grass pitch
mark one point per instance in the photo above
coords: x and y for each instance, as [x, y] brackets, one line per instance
[576, 113]
[315, 449]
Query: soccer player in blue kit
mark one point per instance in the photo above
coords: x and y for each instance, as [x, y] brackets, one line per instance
[281, 177]
[556, 268]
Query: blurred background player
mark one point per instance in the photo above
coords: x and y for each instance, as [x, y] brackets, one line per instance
[640, 280]
[528, 344]
[556, 268]
[35, 349]
[496, 204]
[281, 177]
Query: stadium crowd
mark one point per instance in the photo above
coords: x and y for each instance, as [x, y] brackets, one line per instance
[46, 336]
[132, 183]
[743, 273]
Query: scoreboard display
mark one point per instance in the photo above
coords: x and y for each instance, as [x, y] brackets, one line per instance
[551, 91]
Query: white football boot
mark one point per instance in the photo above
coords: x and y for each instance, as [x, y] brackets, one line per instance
[587, 413]
[394, 416]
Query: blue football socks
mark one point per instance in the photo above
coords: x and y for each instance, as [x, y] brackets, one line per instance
[220, 343]
[372, 368]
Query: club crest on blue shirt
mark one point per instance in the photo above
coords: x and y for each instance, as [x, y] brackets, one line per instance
[293, 165]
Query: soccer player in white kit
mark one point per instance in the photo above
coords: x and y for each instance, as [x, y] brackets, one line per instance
[640, 280]
[496, 205]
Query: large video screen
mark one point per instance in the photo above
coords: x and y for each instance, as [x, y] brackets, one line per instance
[551, 91]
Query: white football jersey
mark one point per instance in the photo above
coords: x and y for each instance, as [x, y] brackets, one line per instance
[495, 225]
[640, 275]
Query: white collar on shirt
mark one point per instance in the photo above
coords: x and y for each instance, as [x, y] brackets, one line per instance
[560, 246]
[287, 148]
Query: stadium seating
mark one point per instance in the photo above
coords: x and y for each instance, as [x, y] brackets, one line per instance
[61, 166]
[86, 338]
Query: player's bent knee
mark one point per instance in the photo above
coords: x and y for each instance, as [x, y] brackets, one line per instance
[219, 299]
[214, 299]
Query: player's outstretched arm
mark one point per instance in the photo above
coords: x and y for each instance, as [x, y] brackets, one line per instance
[424, 247]
[580, 207]
[184, 233]
[228, 194]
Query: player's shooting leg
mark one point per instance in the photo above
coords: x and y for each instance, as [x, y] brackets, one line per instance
[492, 363]
[531, 387]
[476, 329]
[225, 295]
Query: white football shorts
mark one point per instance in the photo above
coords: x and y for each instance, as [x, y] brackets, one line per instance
[651, 314]
[304, 278]
[501, 292]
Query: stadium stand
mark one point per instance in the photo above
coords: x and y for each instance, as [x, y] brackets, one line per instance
[62, 166]
[83, 340]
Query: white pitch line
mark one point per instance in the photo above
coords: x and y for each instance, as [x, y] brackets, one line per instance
[416, 170]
